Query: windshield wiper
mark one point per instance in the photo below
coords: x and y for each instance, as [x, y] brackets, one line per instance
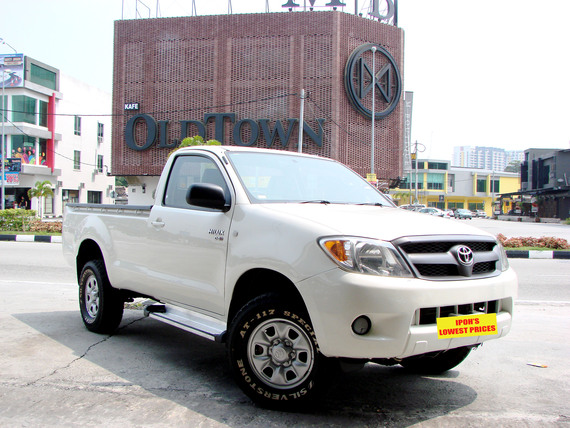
[316, 201]
[374, 204]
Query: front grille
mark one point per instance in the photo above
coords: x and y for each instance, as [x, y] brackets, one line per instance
[437, 270]
[443, 247]
[454, 257]
[427, 316]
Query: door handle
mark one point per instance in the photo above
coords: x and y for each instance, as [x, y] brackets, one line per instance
[158, 223]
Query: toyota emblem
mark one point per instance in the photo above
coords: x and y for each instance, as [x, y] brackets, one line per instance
[465, 255]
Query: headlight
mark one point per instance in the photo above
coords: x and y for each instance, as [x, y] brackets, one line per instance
[503, 257]
[365, 256]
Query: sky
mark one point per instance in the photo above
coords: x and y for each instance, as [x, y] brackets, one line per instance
[492, 73]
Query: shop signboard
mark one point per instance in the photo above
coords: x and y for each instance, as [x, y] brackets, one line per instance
[12, 169]
[12, 66]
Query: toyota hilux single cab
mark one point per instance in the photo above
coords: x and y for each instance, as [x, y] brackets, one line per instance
[297, 264]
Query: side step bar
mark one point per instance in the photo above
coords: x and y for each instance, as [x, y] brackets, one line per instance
[193, 322]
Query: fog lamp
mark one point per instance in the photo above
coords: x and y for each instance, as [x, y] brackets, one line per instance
[361, 325]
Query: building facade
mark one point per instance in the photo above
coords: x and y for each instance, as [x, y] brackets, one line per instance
[545, 184]
[239, 79]
[47, 139]
[443, 186]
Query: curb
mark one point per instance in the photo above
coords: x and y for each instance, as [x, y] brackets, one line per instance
[534, 254]
[31, 238]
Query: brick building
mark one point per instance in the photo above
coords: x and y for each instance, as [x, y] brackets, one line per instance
[238, 79]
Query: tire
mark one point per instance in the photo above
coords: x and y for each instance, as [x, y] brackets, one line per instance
[101, 306]
[274, 354]
[436, 362]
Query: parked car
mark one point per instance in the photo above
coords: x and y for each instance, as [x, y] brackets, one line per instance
[432, 211]
[480, 214]
[449, 213]
[463, 213]
[413, 207]
[293, 278]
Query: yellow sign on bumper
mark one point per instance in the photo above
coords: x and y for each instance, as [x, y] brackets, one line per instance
[468, 325]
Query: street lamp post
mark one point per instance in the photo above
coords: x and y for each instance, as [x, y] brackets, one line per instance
[373, 109]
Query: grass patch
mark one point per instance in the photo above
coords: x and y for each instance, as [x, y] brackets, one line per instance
[15, 232]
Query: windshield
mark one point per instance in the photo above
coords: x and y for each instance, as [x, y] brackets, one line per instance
[276, 177]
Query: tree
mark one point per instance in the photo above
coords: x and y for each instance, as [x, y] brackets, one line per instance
[513, 166]
[195, 141]
[40, 191]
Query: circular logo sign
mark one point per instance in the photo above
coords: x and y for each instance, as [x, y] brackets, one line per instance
[365, 68]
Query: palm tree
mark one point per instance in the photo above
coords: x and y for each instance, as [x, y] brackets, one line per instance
[40, 191]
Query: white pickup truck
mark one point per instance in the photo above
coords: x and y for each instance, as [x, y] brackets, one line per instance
[297, 264]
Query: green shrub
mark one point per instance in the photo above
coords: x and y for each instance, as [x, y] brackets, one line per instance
[16, 219]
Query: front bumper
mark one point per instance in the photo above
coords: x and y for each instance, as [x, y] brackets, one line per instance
[336, 298]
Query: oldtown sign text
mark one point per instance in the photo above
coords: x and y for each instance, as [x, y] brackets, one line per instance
[158, 130]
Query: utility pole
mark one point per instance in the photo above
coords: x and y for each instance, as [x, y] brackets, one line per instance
[301, 122]
[416, 150]
[3, 138]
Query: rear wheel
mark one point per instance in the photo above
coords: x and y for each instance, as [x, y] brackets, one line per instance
[101, 306]
[274, 353]
[436, 362]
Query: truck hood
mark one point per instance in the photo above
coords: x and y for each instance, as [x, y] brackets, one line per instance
[385, 223]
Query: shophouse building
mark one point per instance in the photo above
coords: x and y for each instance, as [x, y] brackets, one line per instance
[545, 184]
[239, 79]
[443, 186]
[56, 129]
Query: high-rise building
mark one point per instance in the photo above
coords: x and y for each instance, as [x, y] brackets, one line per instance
[490, 158]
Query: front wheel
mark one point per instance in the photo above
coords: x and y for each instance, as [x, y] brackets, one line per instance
[274, 354]
[436, 362]
[100, 304]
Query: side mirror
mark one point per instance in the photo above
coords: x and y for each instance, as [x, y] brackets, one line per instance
[207, 195]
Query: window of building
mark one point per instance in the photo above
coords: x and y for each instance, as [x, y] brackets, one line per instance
[48, 205]
[435, 181]
[43, 119]
[474, 206]
[100, 163]
[454, 205]
[495, 186]
[100, 128]
[23, 109]
[42, 152]
[3, 106]
[437, 165]
[43, 77]
[451, 182]
[76, 160]
[77, 125]
[481, 185]
[24, 148]
[71, 196]
[94, 197]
